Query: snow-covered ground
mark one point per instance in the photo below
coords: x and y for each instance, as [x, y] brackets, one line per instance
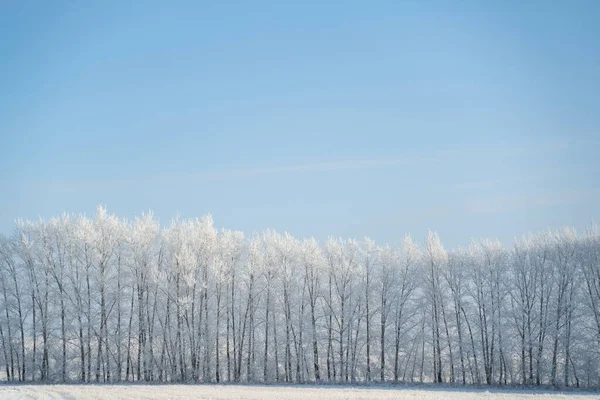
[240, 392]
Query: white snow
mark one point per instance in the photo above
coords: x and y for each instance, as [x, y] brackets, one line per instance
[258, 392]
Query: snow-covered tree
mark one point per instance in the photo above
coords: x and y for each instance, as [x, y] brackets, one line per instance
[104, 299]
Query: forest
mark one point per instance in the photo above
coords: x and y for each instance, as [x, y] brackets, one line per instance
[105, 299]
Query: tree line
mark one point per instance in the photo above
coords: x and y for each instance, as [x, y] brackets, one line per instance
[104, 299]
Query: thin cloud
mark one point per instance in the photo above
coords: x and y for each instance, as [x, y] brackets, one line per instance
[508, 203]
[96, 185]
[483, 184]
[69, 186]
[491, 183]
[317, 167]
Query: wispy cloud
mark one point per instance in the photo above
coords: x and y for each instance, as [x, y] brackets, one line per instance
[482, 184]
[436, 156]
[200, 177]
[527, 201]
[491, 183]
[316, 167]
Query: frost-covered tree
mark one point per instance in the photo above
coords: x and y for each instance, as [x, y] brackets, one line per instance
[105, 299]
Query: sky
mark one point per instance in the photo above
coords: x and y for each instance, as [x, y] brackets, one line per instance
[347, 119]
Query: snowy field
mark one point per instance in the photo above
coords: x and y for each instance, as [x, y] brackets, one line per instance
[230, 392]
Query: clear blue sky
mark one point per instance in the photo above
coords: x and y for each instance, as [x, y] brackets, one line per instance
[473, 118]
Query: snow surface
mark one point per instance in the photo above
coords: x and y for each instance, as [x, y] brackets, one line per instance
[241, 392]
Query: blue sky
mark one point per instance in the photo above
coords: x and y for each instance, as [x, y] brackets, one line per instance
[472, 118]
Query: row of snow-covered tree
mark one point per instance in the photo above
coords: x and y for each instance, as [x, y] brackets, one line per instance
[105, 299]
